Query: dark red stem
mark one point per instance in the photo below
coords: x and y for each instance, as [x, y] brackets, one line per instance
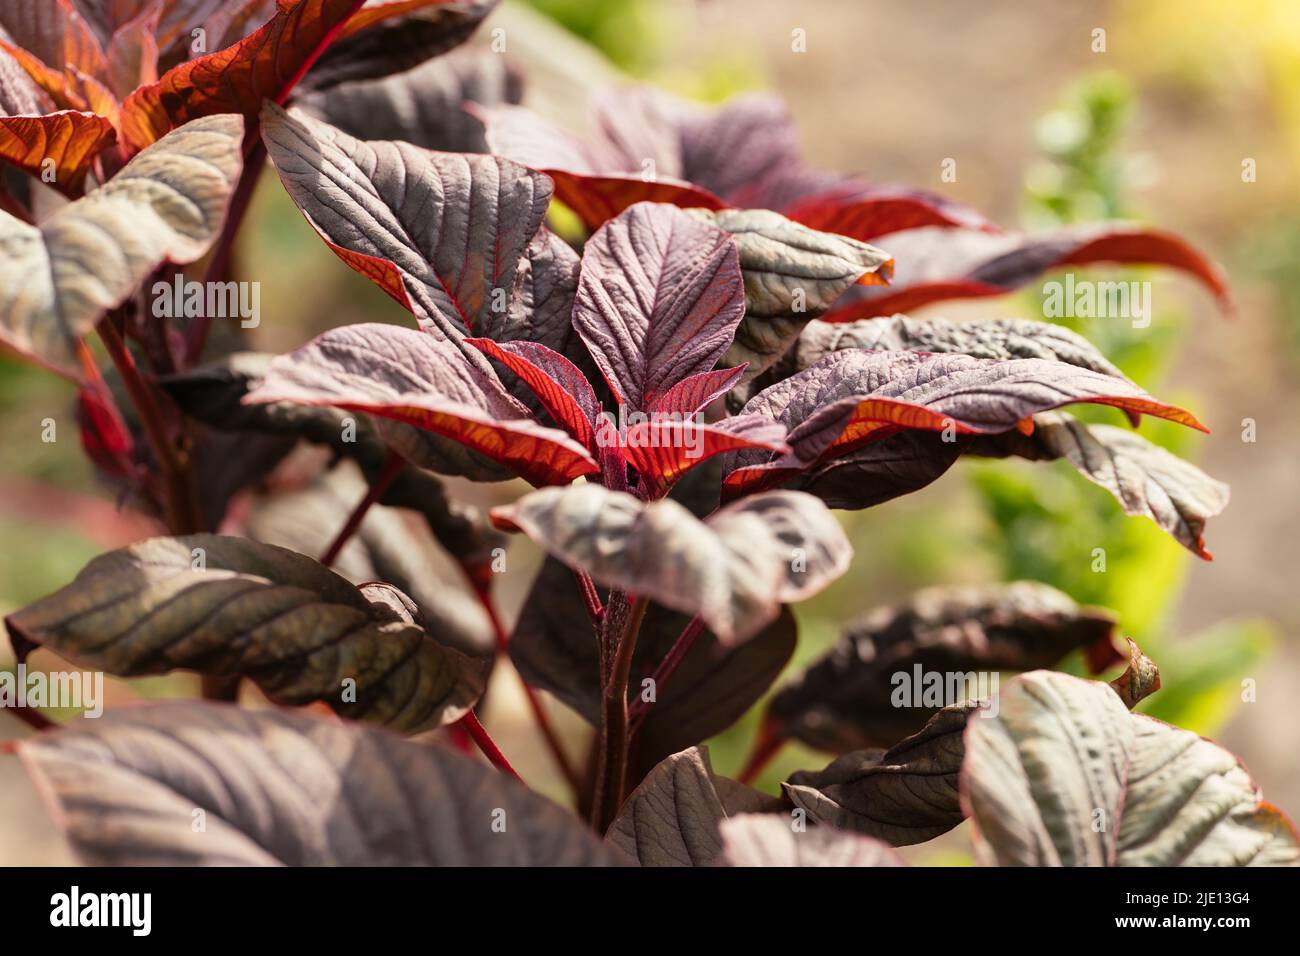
[486, 744]
[219, 264]
[181, 504]
[392, 468]
[534, 703]
[668, 666]
[767, 744]
[590, 597]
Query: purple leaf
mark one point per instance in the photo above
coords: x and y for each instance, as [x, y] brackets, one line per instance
[659, 299]
[936, 264]
[287, 789]
[422, 380]
[853, 396]
[440, 232]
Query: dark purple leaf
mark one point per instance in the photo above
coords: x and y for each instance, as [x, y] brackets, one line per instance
[441, 232]
[853, 396]
[124, 789]
[937, 264]
[659, 299]
[422, 106]
[672, 818]
[845, 701]
[907, 794]
[230, 606]
[422, 380]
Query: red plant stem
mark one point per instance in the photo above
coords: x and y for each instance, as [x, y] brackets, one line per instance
[486, 744]
[32, 717]
[590, 597]
[180, 505]
[767, 744]
[668, 666]
[611, 768]
[95, 381]
[219, 264]
[392, 468]
[534, 703]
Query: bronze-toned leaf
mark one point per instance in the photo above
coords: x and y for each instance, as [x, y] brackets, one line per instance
[386, 547]
[214, 395]
[1140, 679]
[287, 789]
[672, 818]
[442, 233]
[68, 139]
[230, 606]
[853, 698]
[1064, 775]
[734, 570]
[166, 205]
[906, 794]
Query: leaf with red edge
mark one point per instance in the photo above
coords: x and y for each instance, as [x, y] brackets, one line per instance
[869, 212]
[428, 382]
[1144, 478]
[591, 179]
[70, 139]
[265, 65]
[664, 449]
[398, 42]
[560, 385]
[852, 396]
[442, 233]
[695, 392]
[659, 299]
[935, 264]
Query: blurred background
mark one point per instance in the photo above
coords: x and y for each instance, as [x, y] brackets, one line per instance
[1045, 130]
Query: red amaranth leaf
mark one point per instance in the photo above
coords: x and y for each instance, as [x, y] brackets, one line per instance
[594, 180]
[853, 396]
[54, 32]
[659, 299]
[446, 229]
[72, 140]
[560, 385]
[935, 264]
[873, 211]
[265, 65]
[428, 382]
